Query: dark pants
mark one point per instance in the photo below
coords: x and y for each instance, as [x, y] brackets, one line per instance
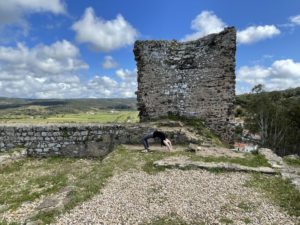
[145, 140]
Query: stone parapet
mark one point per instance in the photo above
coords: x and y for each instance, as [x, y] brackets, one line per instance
[77, 140]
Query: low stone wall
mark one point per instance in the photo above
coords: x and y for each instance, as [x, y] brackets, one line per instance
[76, 140]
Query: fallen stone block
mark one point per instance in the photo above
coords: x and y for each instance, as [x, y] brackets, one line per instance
[184, 163]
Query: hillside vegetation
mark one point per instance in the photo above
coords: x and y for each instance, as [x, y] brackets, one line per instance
[275, 116]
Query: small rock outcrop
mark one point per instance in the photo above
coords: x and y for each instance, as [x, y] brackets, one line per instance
[185, 163]
[287, 171]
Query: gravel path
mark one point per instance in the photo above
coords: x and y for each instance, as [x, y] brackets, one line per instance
[136, 197]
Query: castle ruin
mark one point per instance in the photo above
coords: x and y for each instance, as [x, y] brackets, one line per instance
[194, 79]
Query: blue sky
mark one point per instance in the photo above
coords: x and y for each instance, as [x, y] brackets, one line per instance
[83, 48]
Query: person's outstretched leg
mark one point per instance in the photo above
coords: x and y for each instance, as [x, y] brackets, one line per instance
[170, 143]
[167, 143]
[145, 141]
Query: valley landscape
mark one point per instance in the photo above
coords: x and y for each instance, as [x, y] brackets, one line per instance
[149, 112]
[64, 190]
[67, 111]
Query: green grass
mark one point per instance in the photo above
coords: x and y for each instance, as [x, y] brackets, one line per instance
[292, 162]
[167, 221]
[23, 181]
[173, 219]
[7, 223]
[247, 220]
[89, 184]
[105, 116]
[225, 220]
[281, 192]
[246, 206]
[29, 179]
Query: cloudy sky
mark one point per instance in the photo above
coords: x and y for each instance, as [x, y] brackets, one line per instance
[83, 48]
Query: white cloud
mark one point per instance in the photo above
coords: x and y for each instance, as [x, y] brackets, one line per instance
[282, 74]
[108, 87]
[41, 60]
[286, 68]
[42, 71]
[57, 86]
[104, 35]
[128, 75]
[295, 20]
[205, 23]
[253, 75]
[109, 62]
[128, 86]
[102, 86]
[256, 33]
[13, 11]
[49, 71]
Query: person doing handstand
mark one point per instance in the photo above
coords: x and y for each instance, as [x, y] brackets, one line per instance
[163, 140]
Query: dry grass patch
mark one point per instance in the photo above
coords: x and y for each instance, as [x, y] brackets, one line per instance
[28, 180]
[281, 192]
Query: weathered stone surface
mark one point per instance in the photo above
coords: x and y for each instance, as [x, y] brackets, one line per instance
[293, 157]
[12, 155]
[184, 163]
[36, 222]
[193, 148]
[190, 79]
[287, 171]
[275, 160]
[57, 201]
[78, 140]
[215, 151]
[3, 208]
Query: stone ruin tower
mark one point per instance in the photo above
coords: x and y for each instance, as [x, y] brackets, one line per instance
[189, 79]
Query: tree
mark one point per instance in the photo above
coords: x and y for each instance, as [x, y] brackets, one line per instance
[257, 88]
[275, 118]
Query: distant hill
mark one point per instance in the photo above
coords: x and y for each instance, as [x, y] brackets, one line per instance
[60, 106]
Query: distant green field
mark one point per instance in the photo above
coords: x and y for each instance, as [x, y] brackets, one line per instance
[105, 116]
[68, 110]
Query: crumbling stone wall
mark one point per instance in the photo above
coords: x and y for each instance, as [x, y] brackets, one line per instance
[77, 140]
[190, 79]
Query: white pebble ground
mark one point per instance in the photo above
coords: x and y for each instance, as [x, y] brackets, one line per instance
[197, 196]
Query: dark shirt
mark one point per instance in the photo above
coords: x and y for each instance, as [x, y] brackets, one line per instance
[160, 135]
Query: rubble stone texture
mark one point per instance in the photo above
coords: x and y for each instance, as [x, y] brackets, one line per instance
[190, 79]
[78, 140]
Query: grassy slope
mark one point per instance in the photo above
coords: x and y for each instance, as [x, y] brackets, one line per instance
[292, 162]
[281, 192]
[29, 179]
[25, 180]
